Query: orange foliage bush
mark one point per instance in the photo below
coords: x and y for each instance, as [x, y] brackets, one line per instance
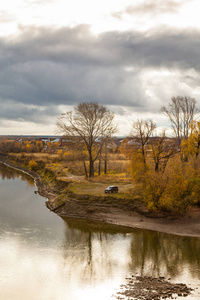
[175, 189]
[32, 164]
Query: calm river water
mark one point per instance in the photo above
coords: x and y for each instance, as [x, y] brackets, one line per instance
[43, 257]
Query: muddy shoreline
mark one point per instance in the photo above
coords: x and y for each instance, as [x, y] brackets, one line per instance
[81, 207]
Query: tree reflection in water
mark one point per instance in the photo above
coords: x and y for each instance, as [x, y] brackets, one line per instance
[159, 254]
[146, 253]
[7, 173]
[96, 251]
[93, 248]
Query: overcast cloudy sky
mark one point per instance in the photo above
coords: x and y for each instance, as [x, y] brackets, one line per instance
[131, 56]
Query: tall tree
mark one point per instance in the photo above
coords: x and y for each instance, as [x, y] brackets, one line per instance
[161, 149]
[180, 111]
[191, 146]
[126, 148]
[142, 130]
[90, 121]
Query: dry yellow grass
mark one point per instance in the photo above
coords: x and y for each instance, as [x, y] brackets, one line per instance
[73, 170]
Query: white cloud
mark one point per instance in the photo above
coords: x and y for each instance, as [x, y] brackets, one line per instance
[48, 62]
[99, 14]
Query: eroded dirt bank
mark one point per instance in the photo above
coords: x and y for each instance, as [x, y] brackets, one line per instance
[95, 208]
[188, 225]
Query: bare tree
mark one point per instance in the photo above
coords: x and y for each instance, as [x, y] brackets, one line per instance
[188, 107]
[142, 130]
[103, 154]
[181, 112]
[90, 121]
[162, 148]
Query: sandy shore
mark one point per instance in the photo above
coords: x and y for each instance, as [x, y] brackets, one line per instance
[189, 225]
[184, 226]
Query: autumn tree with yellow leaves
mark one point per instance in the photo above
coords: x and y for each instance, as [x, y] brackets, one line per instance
[164, 180]
[191, 146]
[126, 148]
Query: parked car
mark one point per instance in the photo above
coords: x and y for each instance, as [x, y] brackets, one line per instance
[111, 189]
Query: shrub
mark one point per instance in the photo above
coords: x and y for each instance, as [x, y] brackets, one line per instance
[60, 152]
[32, 164]
[22, 155]
[194, 190]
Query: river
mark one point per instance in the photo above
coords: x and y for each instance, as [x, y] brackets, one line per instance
[44, 257]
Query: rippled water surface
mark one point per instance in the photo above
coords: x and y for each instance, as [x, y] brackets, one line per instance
[43, 257]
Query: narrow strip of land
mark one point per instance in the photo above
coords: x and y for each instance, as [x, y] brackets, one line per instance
[188, 225]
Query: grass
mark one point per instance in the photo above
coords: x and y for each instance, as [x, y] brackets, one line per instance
[116, 163]
[110, 177]
[56, 174]
[59, 169]
[97, 188]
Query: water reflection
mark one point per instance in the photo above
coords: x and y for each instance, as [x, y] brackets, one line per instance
[159, 254]
[8, 173]
[143, 252]
[52, 258]
[98, 250]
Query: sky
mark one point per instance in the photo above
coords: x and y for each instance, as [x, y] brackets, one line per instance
[131, 56]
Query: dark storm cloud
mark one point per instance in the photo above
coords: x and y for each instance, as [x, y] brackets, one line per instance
[47, 67]
[151, 8]
[19, 112]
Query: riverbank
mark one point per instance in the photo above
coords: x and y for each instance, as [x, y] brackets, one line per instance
[110, 211]
[188, 225]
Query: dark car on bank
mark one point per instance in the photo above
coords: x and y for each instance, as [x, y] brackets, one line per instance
[111, 189]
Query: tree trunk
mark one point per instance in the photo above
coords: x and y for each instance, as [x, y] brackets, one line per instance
[105, 167]
[198, 146]
[156, 166]
[143, 154]
[84, 165]
[91, 166]
[105, 164]
[86, 174]
[99, 171]
[91, 173]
